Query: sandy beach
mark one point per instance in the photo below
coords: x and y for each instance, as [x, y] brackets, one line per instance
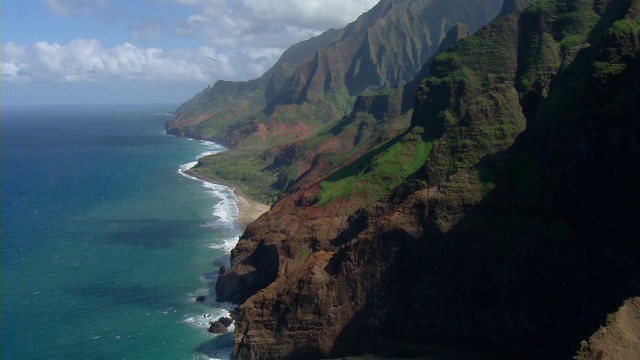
[248, 209]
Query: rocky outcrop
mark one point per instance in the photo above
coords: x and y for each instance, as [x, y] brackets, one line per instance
[513, 232]
[280, 241]
[226, 321]
[619, 339]
[217, 327]
[220, 326]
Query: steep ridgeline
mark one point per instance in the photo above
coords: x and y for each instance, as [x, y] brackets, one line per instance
[503, 222]
[262, 117]
[375, 119]
[376, 130]
[318, 80]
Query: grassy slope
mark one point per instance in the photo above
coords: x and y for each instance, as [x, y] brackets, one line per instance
[248, 167]
[375, 174]
[320, 90]
[242, 168]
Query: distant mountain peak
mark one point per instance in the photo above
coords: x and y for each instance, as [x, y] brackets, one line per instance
[383, 48]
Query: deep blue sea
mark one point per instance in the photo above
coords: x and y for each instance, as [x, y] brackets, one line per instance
[105, 244]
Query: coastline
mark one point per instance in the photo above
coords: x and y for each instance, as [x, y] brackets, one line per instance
[248, 209]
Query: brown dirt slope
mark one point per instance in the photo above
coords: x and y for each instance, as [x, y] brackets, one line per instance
[619, 339]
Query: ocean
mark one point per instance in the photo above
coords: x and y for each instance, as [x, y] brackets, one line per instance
[105, 243]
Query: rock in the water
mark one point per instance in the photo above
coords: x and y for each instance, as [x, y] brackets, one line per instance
[200, 298]
[217, 328]
[226, 321]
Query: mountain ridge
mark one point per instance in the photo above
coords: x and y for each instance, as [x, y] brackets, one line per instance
[383, 49]
[502, 230]
[334, 67]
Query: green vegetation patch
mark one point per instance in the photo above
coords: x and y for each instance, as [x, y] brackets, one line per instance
[241, 168]
[577, 23]
[544, 59]
[541, 6]
[375, 174]
[605, 70]
[304, 255]
[623, 28]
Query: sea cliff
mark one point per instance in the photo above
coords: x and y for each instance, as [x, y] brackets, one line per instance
[503, 220]
[316, 84]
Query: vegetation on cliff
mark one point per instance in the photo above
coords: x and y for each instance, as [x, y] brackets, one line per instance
[376, 173]
[504, 220]
[316, 84]
[319, 79]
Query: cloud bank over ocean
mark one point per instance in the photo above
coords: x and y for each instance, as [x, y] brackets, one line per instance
[89, 60]
[170, 41]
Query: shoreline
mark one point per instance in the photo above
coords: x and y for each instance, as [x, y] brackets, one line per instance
[248, 209]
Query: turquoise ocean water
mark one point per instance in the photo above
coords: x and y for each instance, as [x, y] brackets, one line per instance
[105, 244]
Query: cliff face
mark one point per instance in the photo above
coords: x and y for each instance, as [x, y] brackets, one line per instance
[503, 221]
[619, 339]
[376, 118]
[312, 90]
[318, 80]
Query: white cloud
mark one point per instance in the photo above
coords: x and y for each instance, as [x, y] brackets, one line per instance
[258, 31]
[221, 23]
[236, 28]
[270, 23]
[310, 14]
[14, 57]
[88, 60]
[240, 40]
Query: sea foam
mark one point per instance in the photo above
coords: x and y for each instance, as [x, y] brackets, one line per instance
[203, 321]
[226, 209]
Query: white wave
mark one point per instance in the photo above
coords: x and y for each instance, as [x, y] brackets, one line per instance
[187, 166]
[205, 357]
[213, 149]
[226, 209]
[203, 321]
[207, 153]
[226, 245]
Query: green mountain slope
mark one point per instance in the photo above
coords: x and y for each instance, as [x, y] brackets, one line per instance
[384, 48]
[322, 76]
[503, 224]
[376, 118]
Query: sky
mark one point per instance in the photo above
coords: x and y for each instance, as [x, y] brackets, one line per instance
[149, 51]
